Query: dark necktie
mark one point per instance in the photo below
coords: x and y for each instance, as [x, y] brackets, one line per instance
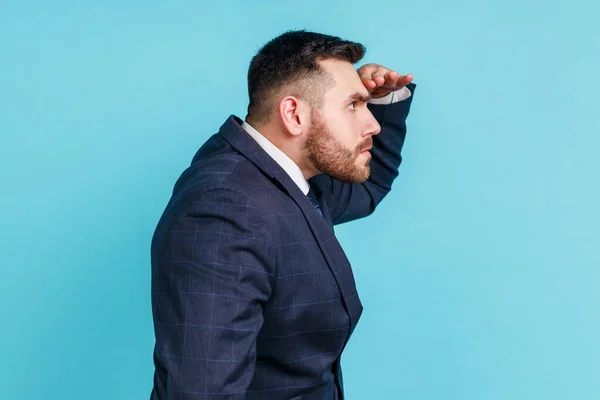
[313, 199]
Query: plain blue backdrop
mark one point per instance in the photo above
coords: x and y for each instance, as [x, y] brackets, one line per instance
[479, 273]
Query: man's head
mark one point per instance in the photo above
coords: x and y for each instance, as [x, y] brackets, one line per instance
[307, 98]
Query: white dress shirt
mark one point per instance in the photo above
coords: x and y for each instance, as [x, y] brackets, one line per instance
[289, 166]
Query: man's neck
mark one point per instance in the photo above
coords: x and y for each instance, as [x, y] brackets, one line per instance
[267, 140]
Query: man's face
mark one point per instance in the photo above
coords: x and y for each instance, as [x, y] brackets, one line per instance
[341, 132]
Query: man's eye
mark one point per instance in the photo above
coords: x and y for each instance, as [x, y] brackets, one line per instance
[352, 106]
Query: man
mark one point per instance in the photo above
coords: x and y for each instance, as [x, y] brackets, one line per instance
[253, 297]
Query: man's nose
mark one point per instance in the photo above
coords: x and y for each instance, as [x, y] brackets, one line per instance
[371, 127]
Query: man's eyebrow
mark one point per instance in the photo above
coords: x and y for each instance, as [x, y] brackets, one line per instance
[358, 96]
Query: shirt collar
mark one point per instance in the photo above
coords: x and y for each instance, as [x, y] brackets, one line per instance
[286, 163]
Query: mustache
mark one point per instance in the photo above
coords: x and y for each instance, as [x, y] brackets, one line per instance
[367, 144]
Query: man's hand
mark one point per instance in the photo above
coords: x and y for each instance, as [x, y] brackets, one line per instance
[380, 81]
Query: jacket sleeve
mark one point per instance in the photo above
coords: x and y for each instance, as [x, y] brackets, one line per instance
[212, 272]
[350, 201]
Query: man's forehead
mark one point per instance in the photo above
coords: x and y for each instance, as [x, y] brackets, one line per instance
[347, 81]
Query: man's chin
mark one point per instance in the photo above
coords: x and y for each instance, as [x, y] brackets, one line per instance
[358, 176]
[364, 176]
[362, 173]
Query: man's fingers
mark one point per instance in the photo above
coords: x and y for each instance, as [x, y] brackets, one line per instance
[379, 76]
[366, 76]
[391, 77]
[368, 82]
[368, 69]
[404, 80]
[375, 76]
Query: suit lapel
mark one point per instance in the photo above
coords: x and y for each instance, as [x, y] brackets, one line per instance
[341, 269]
[321, 227]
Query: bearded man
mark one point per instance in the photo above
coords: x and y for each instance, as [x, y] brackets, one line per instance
[252, 294]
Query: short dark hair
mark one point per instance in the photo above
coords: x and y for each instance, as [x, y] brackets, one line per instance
[290, 61]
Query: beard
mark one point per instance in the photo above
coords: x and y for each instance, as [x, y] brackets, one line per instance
[331, 157]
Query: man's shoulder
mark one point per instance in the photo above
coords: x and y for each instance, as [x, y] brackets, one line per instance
[217, 166]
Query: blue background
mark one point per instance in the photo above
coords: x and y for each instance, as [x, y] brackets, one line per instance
[479, 273]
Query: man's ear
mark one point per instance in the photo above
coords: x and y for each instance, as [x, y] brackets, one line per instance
[295, 115]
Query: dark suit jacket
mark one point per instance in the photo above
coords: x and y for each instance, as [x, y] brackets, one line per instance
[252, 295]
